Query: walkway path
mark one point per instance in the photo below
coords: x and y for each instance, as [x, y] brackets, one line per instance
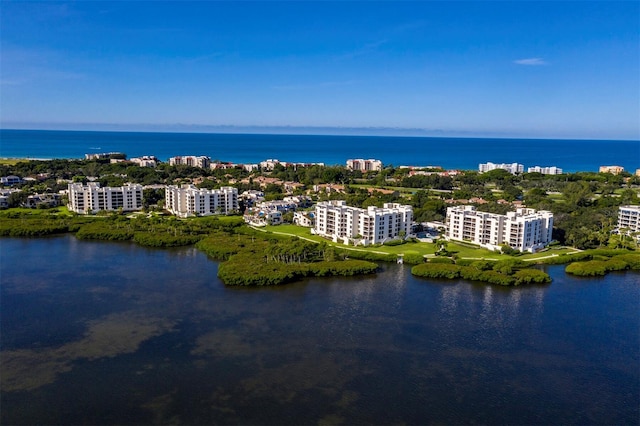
[402, 254]
[314, 241]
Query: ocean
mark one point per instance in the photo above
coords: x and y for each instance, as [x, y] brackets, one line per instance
[449, 153]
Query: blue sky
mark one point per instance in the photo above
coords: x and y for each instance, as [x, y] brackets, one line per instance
[482, 68]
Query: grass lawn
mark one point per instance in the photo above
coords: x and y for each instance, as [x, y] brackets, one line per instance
[11, 161]
[424, 249]
[414, 248]
[60, 211]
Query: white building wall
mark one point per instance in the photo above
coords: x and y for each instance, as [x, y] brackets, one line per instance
[510, 167]
[340, 222]
[91, 198]
[629, 218]
[524, 229]
[553, 170]
[188, 200]
[364, 165]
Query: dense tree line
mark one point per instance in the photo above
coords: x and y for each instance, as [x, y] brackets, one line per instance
[584, 204]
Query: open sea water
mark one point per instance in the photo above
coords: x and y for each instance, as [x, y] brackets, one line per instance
[449, 153]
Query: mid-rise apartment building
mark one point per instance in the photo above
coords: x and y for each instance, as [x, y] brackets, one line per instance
[629, 218]
[553, 170]
[191, 160]
[188, 200]
[615, 170]
[524, 229]
[92, 198]
[145, 161]
[512, 168]
[364, 165]
[336, 220]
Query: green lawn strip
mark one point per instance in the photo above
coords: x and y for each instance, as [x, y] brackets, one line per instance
[461, 250]
[424, 249]
[59, 211]
[12, 161]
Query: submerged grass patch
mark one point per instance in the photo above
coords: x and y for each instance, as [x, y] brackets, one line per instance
[116, 334]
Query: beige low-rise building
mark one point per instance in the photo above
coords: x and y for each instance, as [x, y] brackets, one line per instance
[616, 170]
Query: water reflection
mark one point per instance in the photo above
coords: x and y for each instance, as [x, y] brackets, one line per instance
[151, 336]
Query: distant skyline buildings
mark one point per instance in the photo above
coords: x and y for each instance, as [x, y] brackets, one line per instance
[568, 70]
[512, 168]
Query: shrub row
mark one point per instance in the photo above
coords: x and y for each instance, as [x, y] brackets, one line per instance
[101, 231]
[592, 268]
[413, 258]
[367, 255]
[150, 239]
[450, 271]
[344, 268]
[445, 260]
[35, 228]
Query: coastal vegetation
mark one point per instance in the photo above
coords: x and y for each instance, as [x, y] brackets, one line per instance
[256, 258]
[601, 265]
[510, 272]
[584, 205]
[249, 257]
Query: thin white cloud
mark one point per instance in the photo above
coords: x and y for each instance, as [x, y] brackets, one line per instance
[364, 50]
[313, 85]
[530, 61]
[5, 82]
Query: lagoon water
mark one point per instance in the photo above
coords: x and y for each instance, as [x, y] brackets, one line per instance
[449, 153]
[112, 333]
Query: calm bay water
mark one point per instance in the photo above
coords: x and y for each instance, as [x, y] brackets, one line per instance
[450, 153]
[106, 333]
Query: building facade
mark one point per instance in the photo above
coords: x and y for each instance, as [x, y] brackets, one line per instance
[10, 180]
[615, 170]
[512, 168]
[365, 165]
[191, 160]
[145, 161]
[523, 230]
[91, 198]
[188, 200]
[374, 225]
[553, 170]
[629, 218]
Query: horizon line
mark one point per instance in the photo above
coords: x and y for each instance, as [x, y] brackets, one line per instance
[293, 130]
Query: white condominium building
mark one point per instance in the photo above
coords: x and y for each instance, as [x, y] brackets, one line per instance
[91, 198]
[553, 170]
[512, 168]
[188, 200]
[364, 165]
[524, 229]
[629, 218]
[191, 160]
[336, 220]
